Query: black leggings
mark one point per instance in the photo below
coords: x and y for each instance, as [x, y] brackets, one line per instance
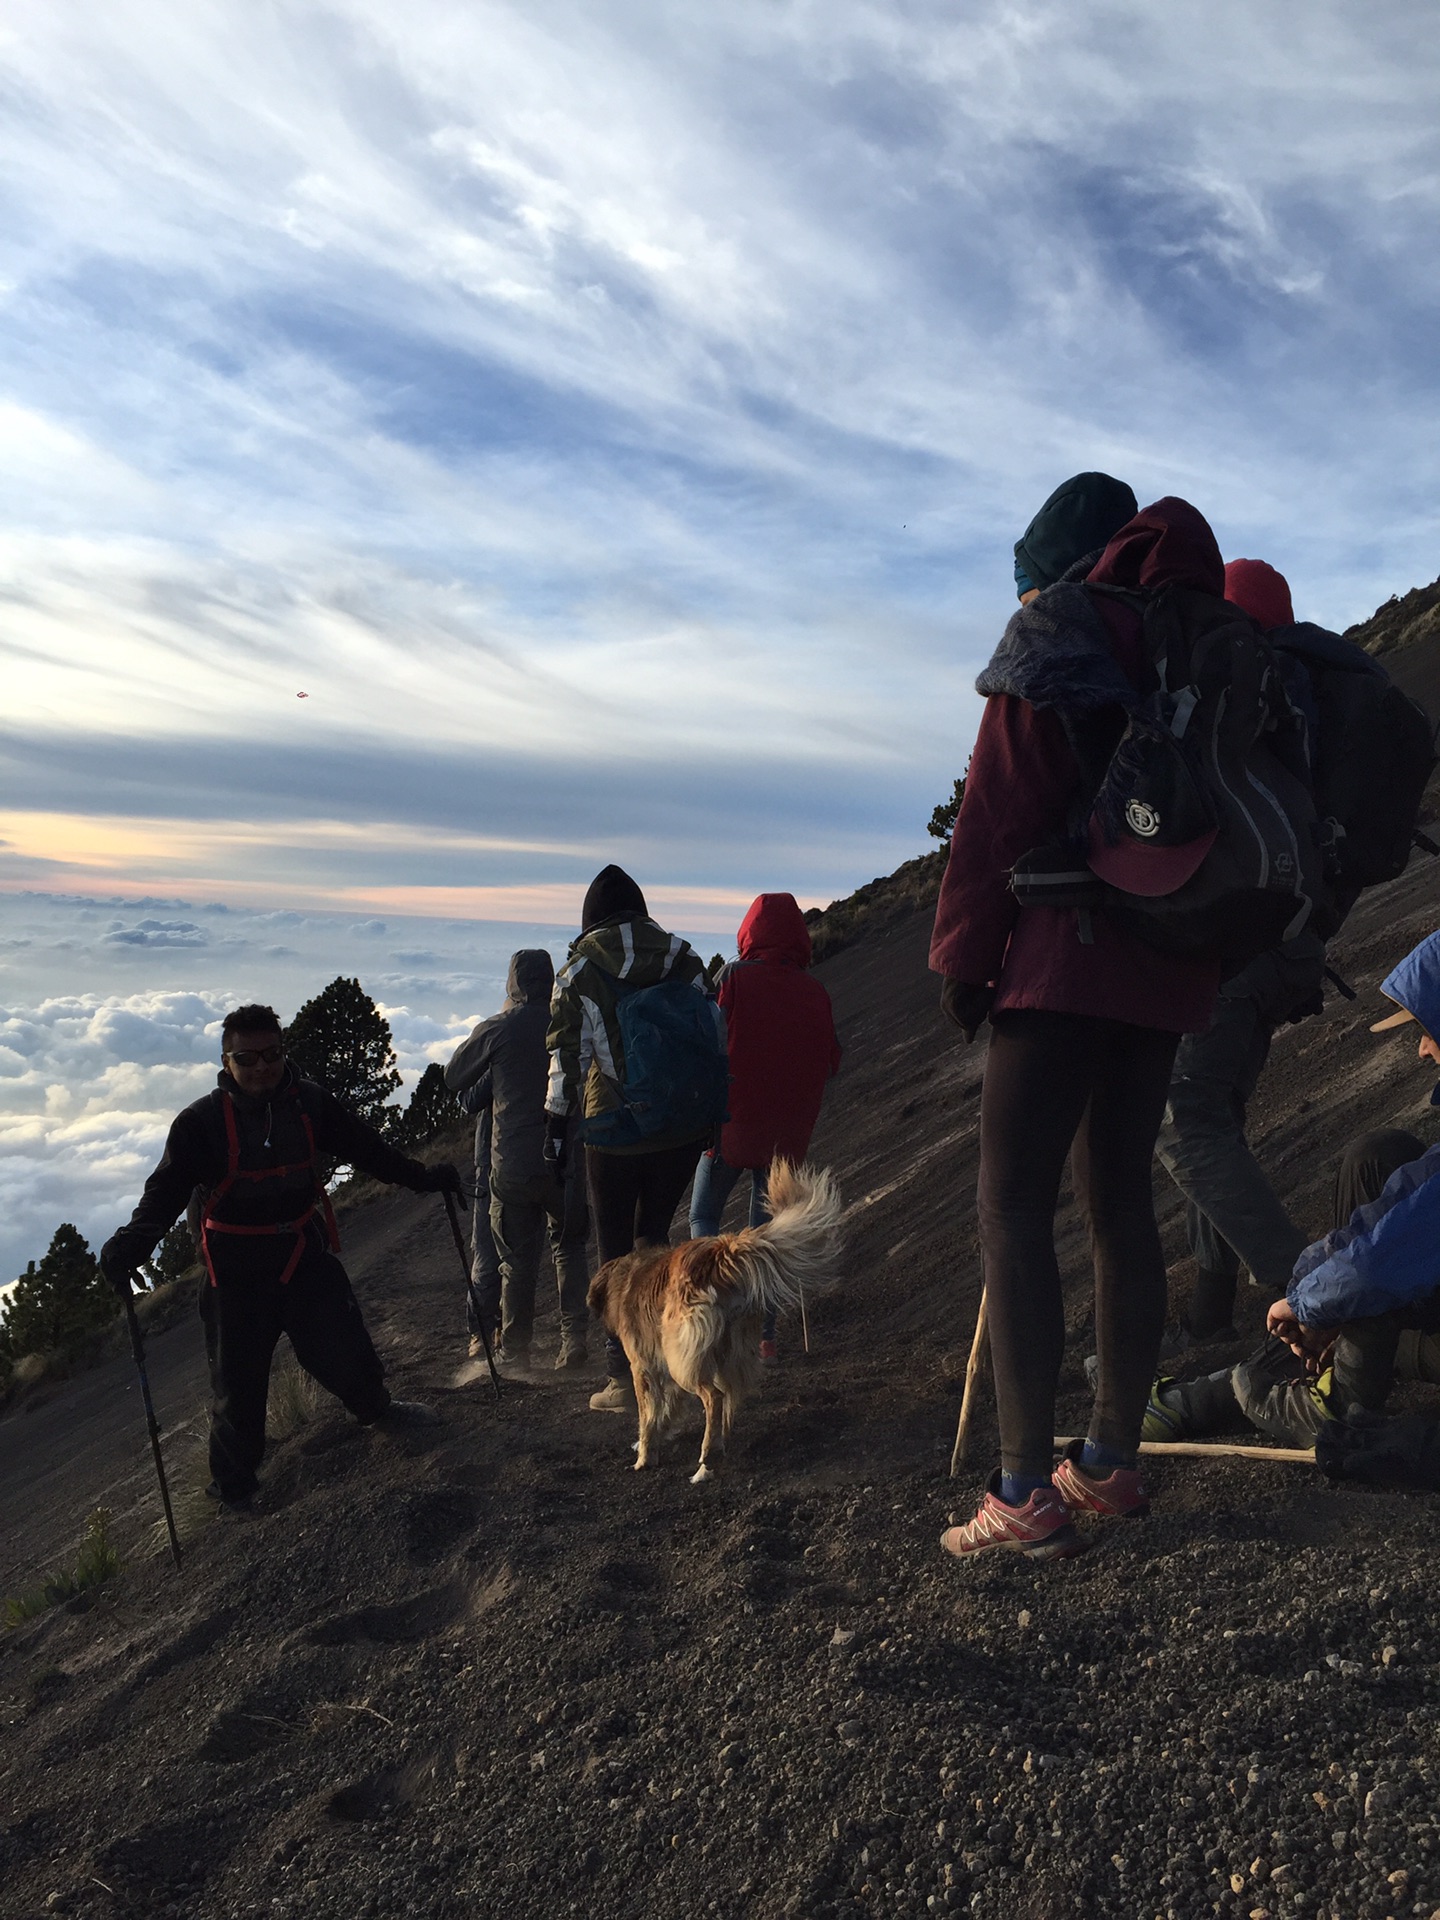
[1052, 1079]
[633, 1197]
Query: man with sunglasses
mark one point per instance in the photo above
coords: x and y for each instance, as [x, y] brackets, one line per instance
[255, 1152]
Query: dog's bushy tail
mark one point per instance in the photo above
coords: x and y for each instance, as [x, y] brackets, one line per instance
[798, 1248]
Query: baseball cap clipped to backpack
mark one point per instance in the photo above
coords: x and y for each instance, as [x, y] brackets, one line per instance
[1151, 825]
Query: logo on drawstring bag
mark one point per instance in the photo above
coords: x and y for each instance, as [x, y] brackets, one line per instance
[1142, 819]
[1152, 823]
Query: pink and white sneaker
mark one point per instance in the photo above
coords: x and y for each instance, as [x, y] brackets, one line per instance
[1119, 1493]
[1042, 1529]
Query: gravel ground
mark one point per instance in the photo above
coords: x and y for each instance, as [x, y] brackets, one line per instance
[491, 1670]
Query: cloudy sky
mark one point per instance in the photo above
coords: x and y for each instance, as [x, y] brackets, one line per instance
[615, 421]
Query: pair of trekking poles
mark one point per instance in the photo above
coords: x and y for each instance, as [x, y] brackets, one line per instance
[137, 1349]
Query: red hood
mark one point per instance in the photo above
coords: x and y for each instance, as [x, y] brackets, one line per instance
[1164, 545]
[775, 929]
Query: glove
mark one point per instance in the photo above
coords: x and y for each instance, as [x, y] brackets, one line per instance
[557, 1141]
[441, 1178]
[967, 1005]
[118, 1267]
[1398, 1451]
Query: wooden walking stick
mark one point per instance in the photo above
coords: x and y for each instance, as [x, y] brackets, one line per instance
[1217, 1449]
[967, 1403]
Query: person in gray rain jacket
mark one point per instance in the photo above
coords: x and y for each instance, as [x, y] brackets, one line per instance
[527, 1195]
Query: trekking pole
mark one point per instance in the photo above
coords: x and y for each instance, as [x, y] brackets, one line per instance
[454, 1219]
[967, 1403]
[137, 1347]
[804, 1321]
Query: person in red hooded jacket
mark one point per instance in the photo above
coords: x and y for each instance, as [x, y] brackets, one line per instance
[782, 1051]
[1085, 1020]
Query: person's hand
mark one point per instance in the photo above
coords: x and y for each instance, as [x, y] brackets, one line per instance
[118, 1268]
[557, 1141]
[966, 1004]
[1310, 1344]
[442, 1178]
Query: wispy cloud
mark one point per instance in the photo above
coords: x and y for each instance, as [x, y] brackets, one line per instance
[615, 422]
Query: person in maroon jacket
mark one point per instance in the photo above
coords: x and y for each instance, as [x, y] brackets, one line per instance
[782, 1051]
[1085, 1020]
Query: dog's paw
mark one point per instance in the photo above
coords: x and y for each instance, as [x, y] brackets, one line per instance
[702, 1472]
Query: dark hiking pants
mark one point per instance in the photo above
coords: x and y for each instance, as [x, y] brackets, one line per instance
[633, 1197]
[484, 1260]
[1271, 1389]
[244, 1317]
[521, 1215]
[1053, 1080]
[1232, 1212]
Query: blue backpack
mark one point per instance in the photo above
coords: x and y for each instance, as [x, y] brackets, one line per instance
[677, 1078]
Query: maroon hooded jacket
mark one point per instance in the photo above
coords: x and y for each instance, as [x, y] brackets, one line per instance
[782, 1037]
[1022, 784]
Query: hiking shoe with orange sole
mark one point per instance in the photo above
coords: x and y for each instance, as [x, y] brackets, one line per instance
[1117, 1494]
[1042, 1529]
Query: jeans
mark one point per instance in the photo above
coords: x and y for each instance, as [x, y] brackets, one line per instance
[1232, 1212]
[484, 1260]
[1052, 1079]
[714, 1183]
[633, 1197]
[520, 1217]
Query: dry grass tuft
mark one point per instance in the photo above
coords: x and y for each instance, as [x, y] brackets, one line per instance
[294, 1401]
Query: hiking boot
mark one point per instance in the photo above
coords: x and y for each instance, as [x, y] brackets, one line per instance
[572, 1354]
[616, 1396]
[769, 1354]
[1119, 1492]
[513, 1359]
[1042, 1529]
[1163, 1419]
[409, 1413]
[232, 1502]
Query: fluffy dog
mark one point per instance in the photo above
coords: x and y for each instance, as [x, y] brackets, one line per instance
[689, 1317]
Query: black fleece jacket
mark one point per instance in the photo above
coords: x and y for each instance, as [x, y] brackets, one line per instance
[272, 1134]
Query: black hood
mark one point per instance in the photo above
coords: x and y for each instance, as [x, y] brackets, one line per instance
[531, 977]
[611, 892]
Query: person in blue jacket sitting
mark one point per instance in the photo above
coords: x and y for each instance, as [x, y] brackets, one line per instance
[1363, 1304]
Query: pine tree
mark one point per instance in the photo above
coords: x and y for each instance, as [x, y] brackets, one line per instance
[341, 1039]
[942, 820]
[61, 1304]
[433, 1109]
[174, 1256]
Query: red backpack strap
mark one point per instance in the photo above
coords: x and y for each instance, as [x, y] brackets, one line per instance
[232, 1146]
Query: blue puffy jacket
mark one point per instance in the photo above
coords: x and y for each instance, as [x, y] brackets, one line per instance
[1388, 1255]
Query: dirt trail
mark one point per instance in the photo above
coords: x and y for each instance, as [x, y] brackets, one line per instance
[495, 1671]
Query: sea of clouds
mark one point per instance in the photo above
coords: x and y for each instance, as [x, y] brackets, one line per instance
[110, 1019]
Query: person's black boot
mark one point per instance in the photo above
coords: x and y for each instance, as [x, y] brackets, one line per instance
[408, 1413]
